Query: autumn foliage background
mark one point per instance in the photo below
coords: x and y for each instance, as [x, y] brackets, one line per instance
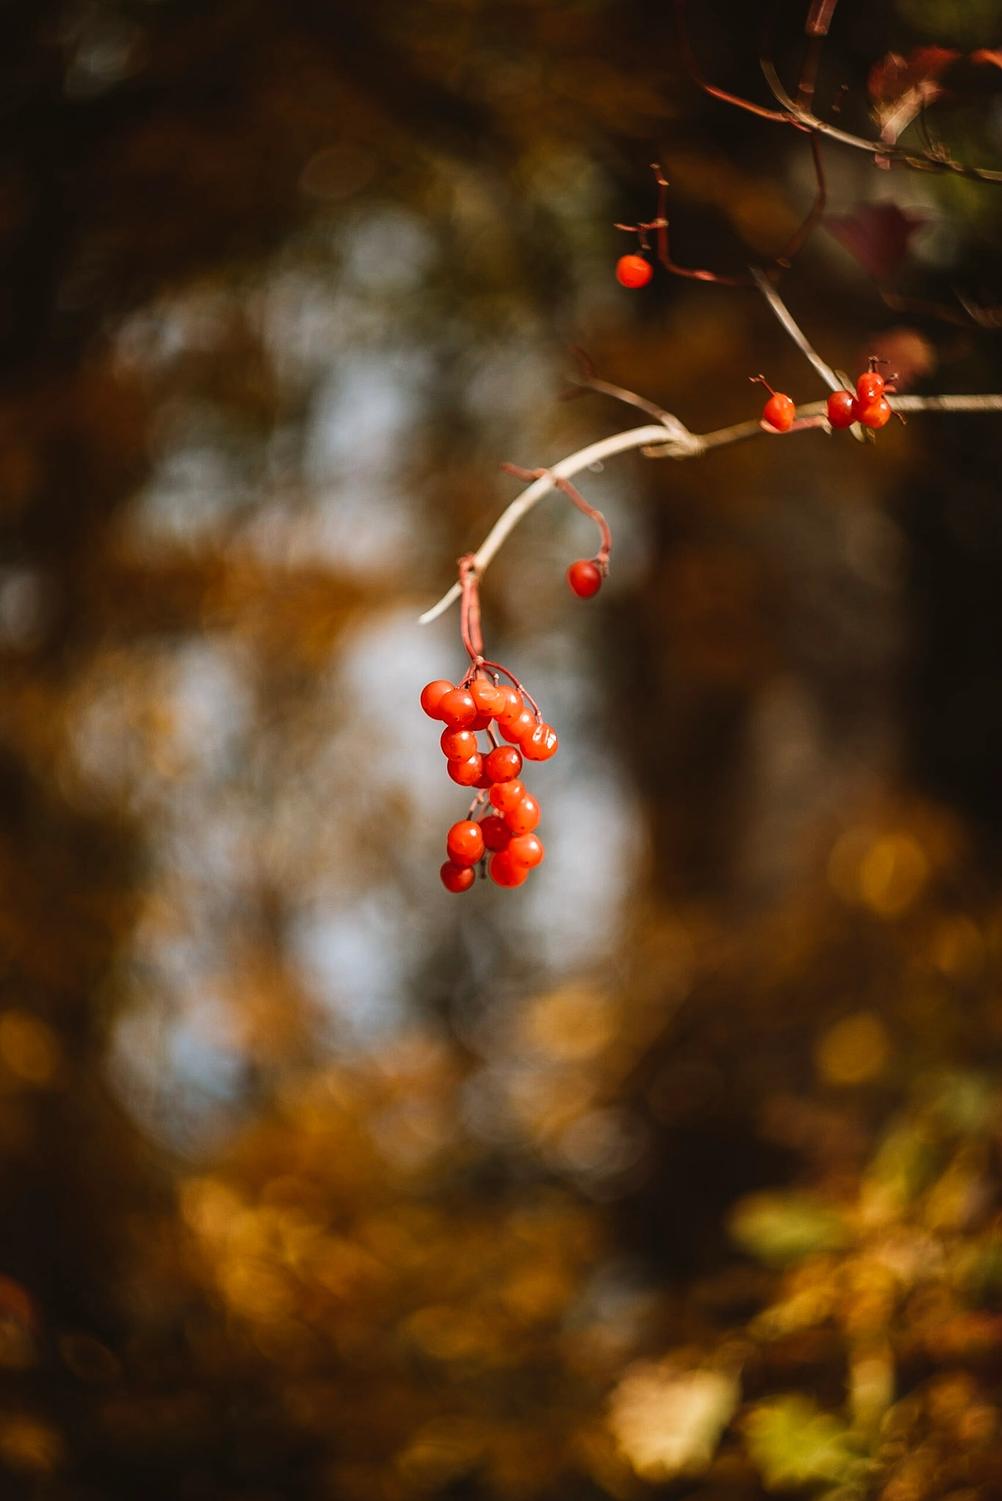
[676, 1173]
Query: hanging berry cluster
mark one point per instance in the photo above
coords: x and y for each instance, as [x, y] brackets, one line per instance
[498, 833]
[500, 826]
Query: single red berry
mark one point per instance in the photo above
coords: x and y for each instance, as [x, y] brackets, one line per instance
[504, 871]
[875, 413]
[496, 833]
[466, 772]
[507, 795]
[432, 695]
[633, 271]
[541, 744]
[457, 709]
[489, 699]
[504, 763]
[458, 744]
[585, 577]
[526, 849]
[519, 728]
[457, 877]
[524, 817]
[842, 410]
[869, 387]
[779, 412]
[512, 700]
[483, 781]
[464, 843]
[481, 722]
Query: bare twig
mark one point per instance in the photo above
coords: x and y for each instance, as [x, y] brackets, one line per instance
[655, 444]
[816, 28]
[796, 333]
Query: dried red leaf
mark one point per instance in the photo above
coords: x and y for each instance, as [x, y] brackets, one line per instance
[877, 234]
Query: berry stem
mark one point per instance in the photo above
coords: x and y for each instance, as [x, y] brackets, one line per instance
[574, 495]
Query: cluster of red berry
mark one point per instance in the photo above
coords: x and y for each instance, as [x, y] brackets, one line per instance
[508, 832]
[868, 405]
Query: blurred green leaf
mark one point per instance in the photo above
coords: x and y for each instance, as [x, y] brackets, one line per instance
[783, 1228]
[792, 1444]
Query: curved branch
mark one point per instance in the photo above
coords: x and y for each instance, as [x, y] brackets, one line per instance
[655, 444]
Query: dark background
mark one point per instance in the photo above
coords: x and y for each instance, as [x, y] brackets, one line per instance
[675, 1170]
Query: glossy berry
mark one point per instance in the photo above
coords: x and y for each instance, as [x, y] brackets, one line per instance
[467, 772]
[464, 842]
[504, 871]
[779, 412]
[541, 744]
[496, 833]
[524, 816]
[489, 699]
[512, 702]
[507, 795]
[457, 877]
[458, 745]
[503, 764]
[519, 728]
[432, 695]
[633, 271]
[526, 849]
[875, 413]
[481, 722]
[457, 709]
[842, 410]
[585, 578]
[869, 387]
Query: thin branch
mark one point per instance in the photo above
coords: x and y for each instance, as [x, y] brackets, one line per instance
[653, 444]
[587, 380]
[781, 117]
[796, 333]
[816, 28]
[803, 118]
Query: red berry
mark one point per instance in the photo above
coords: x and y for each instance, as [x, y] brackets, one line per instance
[481, 722]
[489, 699]
[512, 702]
[457, 877]
[524, 816]
[466, 772]
[457, 709]
[464, 842]
[504, 763]
[432, 695]
[875, 413]
[526, 849]
[842, 409]
[458, 745]
[779, 412]
[585, 578]
[633, 271]
[869, 387]
[541, 744]
[497, 835]
[507, 795]
[483, 780]
[518, 728]
[504, 871]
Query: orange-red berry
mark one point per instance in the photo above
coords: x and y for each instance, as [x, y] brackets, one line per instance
[432, 695]
[457, 709]
[503, 764]
[633, 271]
[524, 816]
[496, 833]
[504, 871]
[779, 412]
[526, 849]
[458, 744]
[518, 727]
[875, 413]
[467, 772]
[541, 744]
[489, 698]
[842, 410]
[507, 795]
[585, 577]
[464, 842]
[869, 387]
[457, 877]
